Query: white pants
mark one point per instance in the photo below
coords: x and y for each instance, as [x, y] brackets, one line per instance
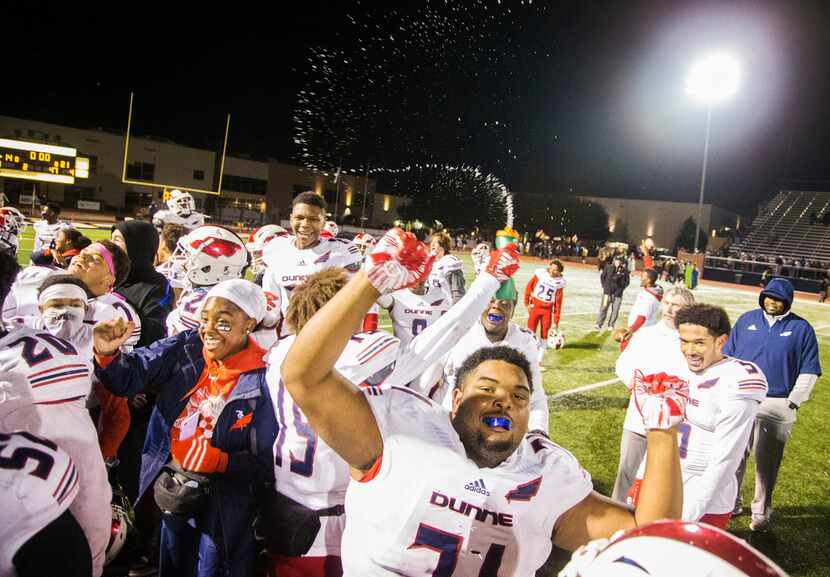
[69, 425]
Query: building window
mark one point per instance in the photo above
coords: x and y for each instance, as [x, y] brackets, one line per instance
[140, 171]
[244, 184]
[198, 175]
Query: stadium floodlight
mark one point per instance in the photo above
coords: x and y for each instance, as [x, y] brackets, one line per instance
[712, 79]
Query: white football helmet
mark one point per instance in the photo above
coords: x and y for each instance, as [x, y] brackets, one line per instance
[208, 255]
[480, 256]
[11, 221]
[181, 202]
[556, 340]
[365, 242]
[670, 549]
[257, 241]
[123, 518]
[331, 227]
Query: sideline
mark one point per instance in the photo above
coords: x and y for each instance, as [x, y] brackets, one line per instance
[584, 388]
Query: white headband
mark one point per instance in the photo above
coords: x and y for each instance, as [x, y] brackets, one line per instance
[61, 291]
[244, 294]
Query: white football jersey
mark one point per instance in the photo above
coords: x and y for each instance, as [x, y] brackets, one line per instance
[411, 313]
[431, 511]
[110, 306]
[38, 482]
[437, 282]
[647, 305]
[53, 367]
[652, 350]
[20, 306]
[305, 467]
[547, 286]
[191, 221]
[720, 414]
[186, 314]
[46, 233]
[288, 266]
[518, 338]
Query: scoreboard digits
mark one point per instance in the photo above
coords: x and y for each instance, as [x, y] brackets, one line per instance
[43, 162]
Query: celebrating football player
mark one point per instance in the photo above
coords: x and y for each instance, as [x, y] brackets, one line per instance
[489, 498]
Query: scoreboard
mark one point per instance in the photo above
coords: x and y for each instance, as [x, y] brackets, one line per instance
[41, 162]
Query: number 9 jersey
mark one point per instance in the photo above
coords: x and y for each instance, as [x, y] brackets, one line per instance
[38, 482]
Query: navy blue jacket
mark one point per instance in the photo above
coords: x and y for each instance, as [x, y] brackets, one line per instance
[170, 368]
[784, 350]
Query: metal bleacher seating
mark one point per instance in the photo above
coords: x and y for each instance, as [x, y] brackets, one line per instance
[784, 227]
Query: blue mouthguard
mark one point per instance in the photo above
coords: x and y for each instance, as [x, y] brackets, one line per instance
[497, 422]
[495, 318]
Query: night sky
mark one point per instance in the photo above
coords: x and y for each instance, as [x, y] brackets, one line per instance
[582, 97]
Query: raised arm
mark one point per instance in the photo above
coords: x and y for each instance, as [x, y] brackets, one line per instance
[336, 409]
[438, 338]
[662, 404]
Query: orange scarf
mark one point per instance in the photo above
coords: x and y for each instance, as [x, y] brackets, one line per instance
[208, 397]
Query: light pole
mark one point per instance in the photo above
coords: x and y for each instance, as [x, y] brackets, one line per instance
[712, 79]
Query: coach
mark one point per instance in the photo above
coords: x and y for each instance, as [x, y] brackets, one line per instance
[784, 346]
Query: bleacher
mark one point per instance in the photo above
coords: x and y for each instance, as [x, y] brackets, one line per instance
[783, 228]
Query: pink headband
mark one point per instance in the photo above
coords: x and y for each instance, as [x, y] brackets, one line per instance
[105, 254]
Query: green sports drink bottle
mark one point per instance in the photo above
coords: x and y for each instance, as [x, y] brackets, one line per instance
[507, 290]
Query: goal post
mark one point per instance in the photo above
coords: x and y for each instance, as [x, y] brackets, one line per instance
[166, 186]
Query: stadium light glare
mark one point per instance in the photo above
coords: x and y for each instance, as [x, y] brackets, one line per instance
[714, 78]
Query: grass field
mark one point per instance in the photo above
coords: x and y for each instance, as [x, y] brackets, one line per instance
[589, 422]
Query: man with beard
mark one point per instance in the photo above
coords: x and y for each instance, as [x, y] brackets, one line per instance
[492, 499]
[494, 329]
[289, 260]
[785, 347]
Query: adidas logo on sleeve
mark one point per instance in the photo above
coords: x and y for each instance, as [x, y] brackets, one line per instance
[477, 487]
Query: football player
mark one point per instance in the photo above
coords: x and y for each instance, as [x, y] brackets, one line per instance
[292, 259]
[724, 396]
[181, 210]
[412, 312]
[447, 277]
[203, 258]
[644, 311]
[543, 300]
[463, 491]
[318, 480]
[493, 329]
[45, 232]
[41, 535]
[45, 384]
[653, 349]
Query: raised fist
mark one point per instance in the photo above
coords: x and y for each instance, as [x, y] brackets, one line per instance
[108, 336]
[503, 262]
[398, 261]
[660, 399]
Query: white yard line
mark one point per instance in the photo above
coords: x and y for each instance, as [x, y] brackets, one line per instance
[584, 388]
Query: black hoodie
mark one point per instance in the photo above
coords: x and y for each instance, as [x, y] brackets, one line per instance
[145, 289]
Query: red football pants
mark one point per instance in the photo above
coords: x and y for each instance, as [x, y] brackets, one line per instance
[282, 566]
[537, 315]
